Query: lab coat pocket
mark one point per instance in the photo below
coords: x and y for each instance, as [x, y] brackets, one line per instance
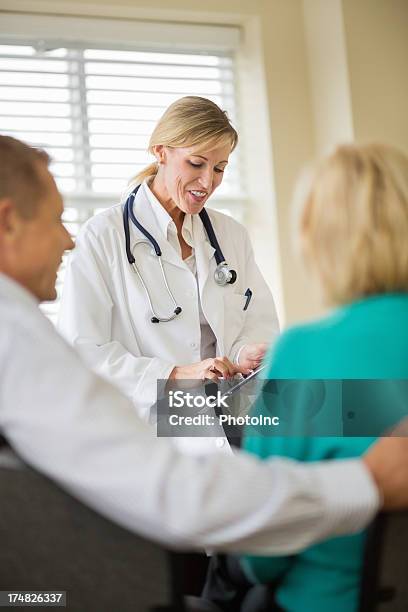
[234, 318]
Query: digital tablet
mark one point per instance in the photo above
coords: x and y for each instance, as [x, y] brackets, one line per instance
[237, 385]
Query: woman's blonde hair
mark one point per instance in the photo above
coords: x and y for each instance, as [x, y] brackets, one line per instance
[354, 223]
[190, 122]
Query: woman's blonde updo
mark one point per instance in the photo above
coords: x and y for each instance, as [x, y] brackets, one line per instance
[354, 225]
[190, 122]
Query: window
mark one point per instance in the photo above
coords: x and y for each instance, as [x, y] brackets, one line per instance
[93, 107]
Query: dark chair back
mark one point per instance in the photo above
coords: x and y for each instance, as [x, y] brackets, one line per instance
[51, 541]
[385, 574]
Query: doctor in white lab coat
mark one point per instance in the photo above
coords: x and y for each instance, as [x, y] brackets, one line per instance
[105, 311]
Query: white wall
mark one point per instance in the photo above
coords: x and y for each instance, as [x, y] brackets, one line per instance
[376, 34]
[328, 72]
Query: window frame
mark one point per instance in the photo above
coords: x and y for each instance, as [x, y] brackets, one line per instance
[127, 35]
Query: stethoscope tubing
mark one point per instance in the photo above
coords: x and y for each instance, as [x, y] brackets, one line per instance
[219, 257]
[155, 318]
[128, 213]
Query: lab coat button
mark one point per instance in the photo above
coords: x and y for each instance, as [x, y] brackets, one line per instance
[193, 344]
[220, 442]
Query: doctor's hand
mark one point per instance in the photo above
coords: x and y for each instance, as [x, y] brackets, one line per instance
[212, 369]
[251, 356]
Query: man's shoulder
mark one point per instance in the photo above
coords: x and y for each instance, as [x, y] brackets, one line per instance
[23, 322]
[28, 334]
[17, 304]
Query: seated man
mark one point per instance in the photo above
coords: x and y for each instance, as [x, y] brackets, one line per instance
[81, 432]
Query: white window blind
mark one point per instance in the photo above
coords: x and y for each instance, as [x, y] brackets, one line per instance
[93, 109]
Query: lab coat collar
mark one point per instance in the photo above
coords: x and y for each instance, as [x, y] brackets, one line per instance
[12, 290]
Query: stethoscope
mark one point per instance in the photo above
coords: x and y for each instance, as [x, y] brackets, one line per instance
[223, 275]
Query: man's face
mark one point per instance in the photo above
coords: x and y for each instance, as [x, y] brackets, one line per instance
[36, 245]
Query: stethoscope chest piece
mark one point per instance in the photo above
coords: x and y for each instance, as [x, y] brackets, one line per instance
[223, 275]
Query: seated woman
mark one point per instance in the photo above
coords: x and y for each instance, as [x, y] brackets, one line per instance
[354, 230]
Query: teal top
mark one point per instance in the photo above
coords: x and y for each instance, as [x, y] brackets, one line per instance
[365, 340]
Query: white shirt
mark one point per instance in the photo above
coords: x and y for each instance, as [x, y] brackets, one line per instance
[208, 342]
[79, 430]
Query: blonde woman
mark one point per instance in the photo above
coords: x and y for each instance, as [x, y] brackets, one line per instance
[354, 230]
[146, 296]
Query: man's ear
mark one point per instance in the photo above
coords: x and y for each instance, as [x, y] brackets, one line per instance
[10, 219]
[160, 153]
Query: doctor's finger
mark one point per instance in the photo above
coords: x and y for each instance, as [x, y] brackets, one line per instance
[225, 366]
[210, 375]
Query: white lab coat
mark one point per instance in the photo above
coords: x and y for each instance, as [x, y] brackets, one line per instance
[79, 430]
[105, 312]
